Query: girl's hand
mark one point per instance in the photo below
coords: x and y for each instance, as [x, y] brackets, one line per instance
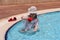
[22, 17]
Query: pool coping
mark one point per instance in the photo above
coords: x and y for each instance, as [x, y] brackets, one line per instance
[9, 29]
[4, 28]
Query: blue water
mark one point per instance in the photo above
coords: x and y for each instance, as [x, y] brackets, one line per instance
[49, 29]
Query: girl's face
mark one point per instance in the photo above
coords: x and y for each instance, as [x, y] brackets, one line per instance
[33, 16]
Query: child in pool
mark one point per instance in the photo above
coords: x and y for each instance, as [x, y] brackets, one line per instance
[31, 22]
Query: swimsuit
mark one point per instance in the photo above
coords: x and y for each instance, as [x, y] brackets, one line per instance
[29, 25]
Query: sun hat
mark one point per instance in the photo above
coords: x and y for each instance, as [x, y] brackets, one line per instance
[32, 9]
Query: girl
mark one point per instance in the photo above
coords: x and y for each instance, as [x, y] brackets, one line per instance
[31, 22]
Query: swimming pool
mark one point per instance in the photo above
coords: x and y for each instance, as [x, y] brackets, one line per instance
[49, 29]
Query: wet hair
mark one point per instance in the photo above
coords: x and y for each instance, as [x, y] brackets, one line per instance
[30, 15]
[35, 15]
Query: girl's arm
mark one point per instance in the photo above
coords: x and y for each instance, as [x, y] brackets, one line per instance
[24, 17]
[36, 26]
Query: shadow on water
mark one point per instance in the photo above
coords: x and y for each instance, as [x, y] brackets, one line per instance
[29, 33]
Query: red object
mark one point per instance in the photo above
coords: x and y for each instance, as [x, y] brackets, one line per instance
[30, 19]
[12, 19]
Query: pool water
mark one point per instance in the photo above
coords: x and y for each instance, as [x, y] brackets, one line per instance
[49, 29]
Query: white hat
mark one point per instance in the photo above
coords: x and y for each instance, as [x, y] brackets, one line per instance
[32, 9]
